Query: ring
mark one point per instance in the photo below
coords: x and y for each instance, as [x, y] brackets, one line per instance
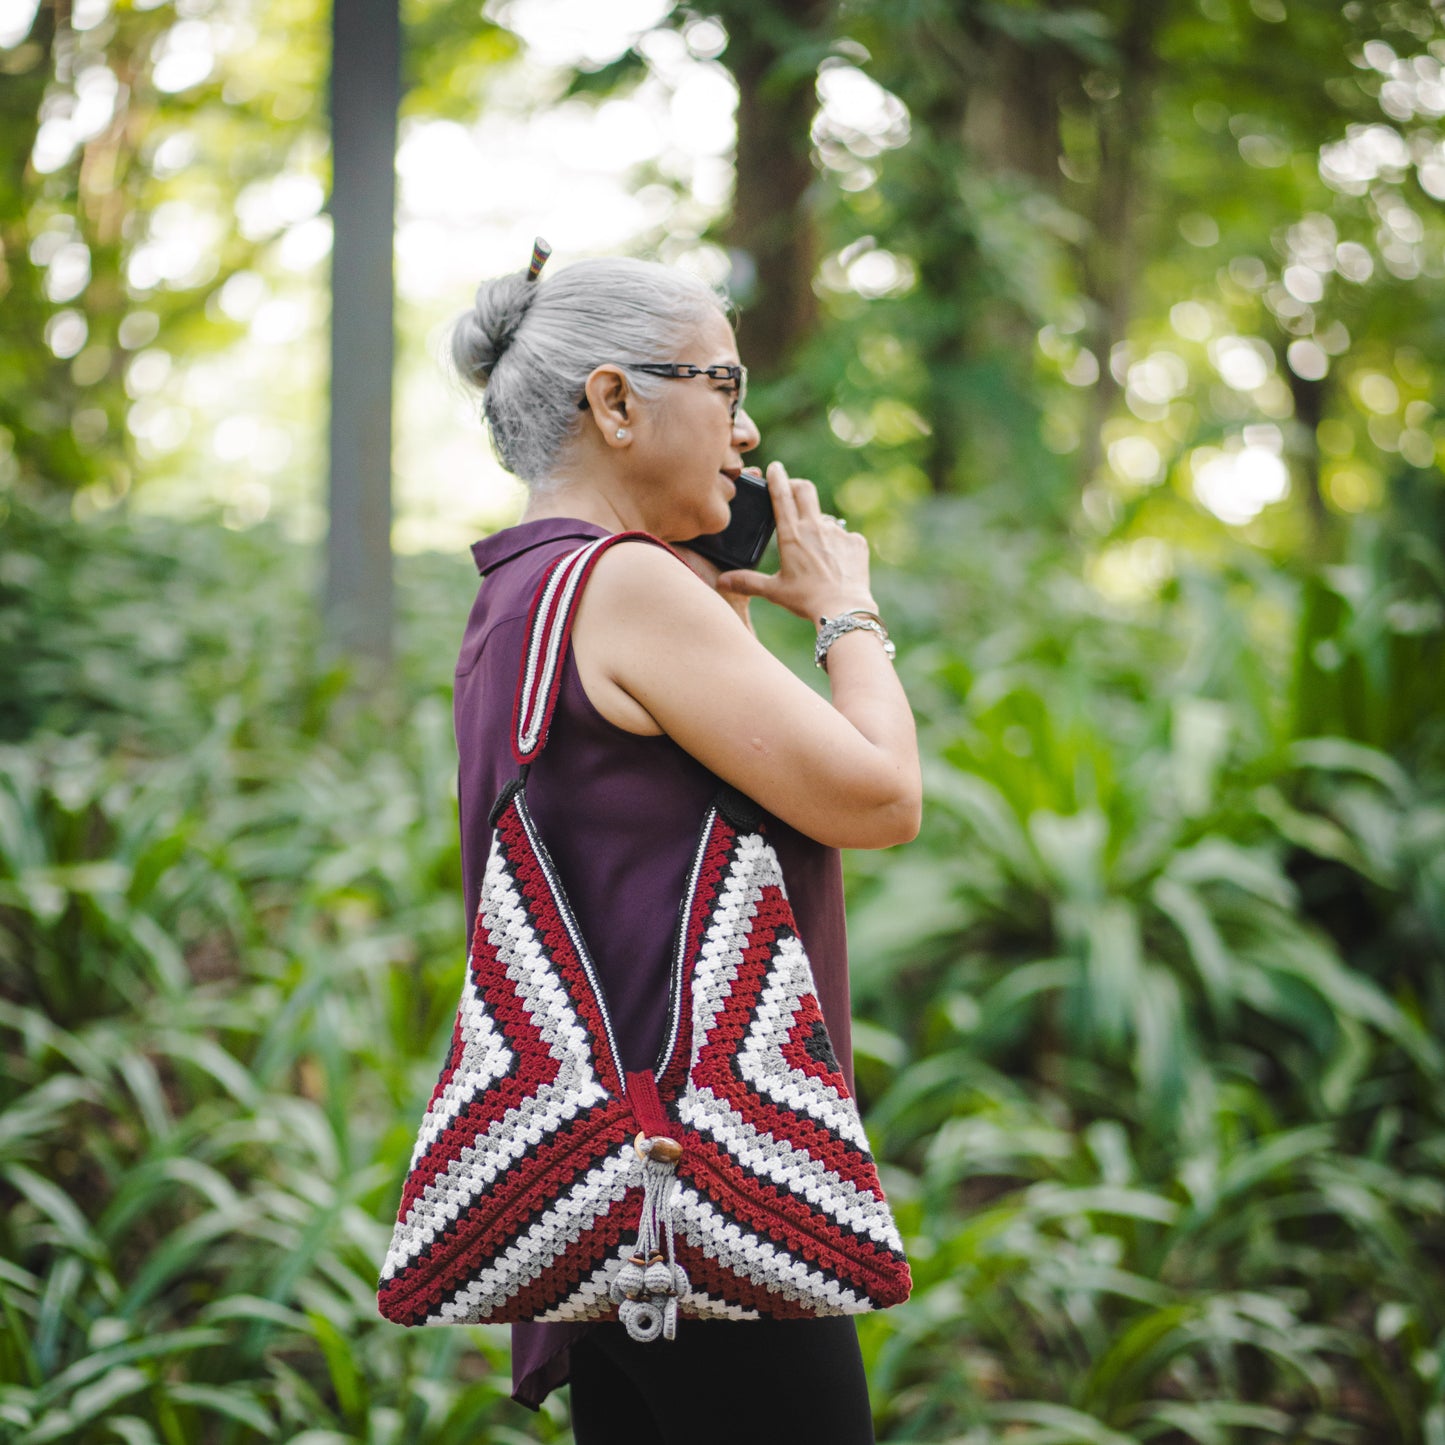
[830, 517]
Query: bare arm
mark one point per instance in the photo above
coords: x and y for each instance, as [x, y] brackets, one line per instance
[847, 773]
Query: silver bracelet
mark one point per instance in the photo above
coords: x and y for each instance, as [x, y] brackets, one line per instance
[830, 629]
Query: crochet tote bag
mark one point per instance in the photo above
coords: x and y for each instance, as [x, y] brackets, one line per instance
[733, 1180]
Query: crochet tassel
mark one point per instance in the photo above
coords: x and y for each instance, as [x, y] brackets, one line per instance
[650, 1284]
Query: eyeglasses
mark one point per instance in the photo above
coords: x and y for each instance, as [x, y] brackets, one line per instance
[685, 371]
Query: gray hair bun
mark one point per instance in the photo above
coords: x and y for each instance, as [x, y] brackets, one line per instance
[487, 330]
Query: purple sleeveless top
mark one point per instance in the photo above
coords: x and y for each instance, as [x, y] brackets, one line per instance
[620, 814]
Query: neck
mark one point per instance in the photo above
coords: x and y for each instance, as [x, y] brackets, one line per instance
[592, 487]
[578, 500]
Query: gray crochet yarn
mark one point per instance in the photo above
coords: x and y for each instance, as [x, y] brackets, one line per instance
[529, 346]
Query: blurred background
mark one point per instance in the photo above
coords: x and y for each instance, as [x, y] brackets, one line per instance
[1118, 326]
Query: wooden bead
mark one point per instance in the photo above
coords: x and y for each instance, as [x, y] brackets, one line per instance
[667, 1151]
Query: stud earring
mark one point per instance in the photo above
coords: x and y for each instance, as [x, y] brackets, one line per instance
[623, 433]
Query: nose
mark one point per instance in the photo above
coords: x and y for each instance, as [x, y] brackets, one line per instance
[745, 432]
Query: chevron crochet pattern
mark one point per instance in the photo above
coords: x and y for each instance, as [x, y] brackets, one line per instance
[540, 1164]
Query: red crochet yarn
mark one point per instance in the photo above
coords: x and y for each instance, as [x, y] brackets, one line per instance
[524, 1188]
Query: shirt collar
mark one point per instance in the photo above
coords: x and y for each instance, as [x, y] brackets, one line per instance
[491, 552]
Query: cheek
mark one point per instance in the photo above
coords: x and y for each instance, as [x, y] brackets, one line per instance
[686, 434]
[672, 429]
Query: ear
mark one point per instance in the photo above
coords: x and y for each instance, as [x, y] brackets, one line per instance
[610, 402]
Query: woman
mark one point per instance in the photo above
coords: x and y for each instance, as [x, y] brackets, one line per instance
[666, 690]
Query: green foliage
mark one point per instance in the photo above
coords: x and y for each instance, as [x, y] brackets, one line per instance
[229, 941]
[139, 147]
[1154, 1008]
[1149, 1015]
[1036, 265]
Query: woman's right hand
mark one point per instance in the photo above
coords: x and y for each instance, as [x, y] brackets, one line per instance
[822, 567]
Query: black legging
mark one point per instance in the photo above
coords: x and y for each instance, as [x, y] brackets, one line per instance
[721, 1382]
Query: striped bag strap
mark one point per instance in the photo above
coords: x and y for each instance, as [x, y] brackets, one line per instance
[549, 627]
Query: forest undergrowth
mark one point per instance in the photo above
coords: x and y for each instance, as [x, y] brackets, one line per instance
[1149, 1017]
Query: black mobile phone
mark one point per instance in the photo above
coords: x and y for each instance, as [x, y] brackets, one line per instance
[743, 541]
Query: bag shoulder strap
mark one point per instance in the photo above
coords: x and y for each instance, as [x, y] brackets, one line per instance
[549, 627]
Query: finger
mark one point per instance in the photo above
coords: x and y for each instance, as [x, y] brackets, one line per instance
[744, 583]
[785, 510]
[805, 495]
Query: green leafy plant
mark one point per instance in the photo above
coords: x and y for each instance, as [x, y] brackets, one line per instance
[1154, 1017]
[229, 950]
[1148, 1033]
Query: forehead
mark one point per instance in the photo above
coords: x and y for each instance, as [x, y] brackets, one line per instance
[714, 340]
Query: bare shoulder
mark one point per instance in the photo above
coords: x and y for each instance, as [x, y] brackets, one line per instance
[641, 613]
[637, 567]
[638, 582]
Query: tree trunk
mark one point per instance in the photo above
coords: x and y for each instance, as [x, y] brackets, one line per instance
[771, 231]
[365, 93]
[1309, 409]
[1003, 115]
[36, 394]
[1111, 259]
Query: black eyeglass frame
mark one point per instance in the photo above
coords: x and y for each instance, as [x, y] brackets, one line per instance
[685, 371]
